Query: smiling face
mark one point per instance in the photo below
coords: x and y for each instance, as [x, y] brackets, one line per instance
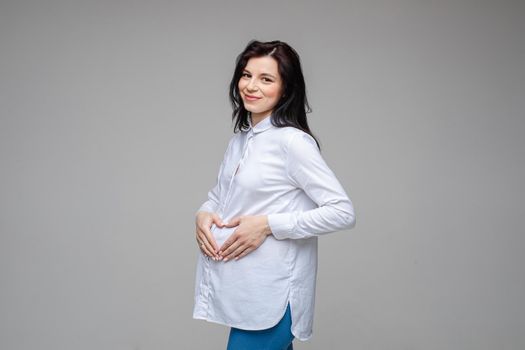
[260, 86]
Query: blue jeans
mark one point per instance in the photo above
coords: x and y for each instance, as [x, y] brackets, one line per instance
[279, 337]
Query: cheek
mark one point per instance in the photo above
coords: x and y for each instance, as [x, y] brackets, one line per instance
[272, 93]
[240, 85]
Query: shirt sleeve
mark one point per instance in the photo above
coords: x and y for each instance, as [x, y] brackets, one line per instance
[212, 203]
[306, 168]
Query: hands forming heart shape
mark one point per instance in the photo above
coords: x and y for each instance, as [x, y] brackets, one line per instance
[250, 233]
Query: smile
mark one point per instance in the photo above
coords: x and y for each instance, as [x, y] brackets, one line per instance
[251, 98]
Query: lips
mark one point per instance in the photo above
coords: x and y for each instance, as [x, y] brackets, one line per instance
[249, 97]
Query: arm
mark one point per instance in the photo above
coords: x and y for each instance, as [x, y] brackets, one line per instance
[206, 216]
[307, 170]
[212, 203]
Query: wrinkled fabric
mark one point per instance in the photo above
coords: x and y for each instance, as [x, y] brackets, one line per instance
[278, 172]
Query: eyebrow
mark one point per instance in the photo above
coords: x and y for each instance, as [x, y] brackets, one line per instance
[268, 74]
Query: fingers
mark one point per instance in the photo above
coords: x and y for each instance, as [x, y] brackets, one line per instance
[205, 245]
[238, 250]
[234, 236]
[204, 226]
[203, 248]
[217, 220]
[209, 237]
[245, 252]
[225, 246]
[230, 248]
[205, 237]
[235, 246]
[214, 218]
[233, 222]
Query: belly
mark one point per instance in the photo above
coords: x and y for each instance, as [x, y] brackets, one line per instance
[267, 265]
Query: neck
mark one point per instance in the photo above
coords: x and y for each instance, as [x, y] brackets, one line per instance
[256, 118]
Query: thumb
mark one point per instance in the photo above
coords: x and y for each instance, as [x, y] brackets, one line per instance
[217, 220]
[233, 222]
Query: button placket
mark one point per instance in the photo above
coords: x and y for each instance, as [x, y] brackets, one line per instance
[247, 143]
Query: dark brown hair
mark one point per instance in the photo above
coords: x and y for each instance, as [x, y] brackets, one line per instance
[292, 107]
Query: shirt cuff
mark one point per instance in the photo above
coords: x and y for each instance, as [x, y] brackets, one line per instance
[281, 225]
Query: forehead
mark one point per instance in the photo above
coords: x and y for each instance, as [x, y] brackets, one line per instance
[260, 65]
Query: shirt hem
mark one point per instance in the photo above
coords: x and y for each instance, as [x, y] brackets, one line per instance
[211, 320]
[300, 337]
[273, 323]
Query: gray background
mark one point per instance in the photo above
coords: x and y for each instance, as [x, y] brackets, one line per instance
[115, 117]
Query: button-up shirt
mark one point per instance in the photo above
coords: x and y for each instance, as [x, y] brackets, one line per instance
[278, 172]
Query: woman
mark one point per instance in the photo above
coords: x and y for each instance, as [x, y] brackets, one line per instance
[274, 196]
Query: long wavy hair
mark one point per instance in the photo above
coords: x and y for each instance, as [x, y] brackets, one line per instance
[292, 107]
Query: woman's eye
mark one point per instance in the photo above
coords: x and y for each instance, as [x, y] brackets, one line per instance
[268, 80]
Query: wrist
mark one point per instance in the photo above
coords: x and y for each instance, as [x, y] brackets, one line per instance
[267, 228]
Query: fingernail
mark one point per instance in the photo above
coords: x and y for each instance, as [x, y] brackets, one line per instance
[225, 259]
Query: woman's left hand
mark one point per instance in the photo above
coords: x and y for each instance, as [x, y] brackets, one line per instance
[251, 233]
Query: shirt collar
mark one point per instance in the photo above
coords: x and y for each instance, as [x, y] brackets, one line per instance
[261, 126]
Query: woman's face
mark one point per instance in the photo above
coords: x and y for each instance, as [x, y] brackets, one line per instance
[260, 86]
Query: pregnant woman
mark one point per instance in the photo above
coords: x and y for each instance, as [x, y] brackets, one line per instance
[274, 196]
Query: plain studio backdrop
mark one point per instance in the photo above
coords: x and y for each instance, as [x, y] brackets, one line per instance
[115, 117]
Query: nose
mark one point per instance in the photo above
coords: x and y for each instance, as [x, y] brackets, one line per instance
[251, 85]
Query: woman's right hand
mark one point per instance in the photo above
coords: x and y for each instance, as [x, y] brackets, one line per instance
[205, 239]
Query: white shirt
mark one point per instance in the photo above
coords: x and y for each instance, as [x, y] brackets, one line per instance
[283, 175]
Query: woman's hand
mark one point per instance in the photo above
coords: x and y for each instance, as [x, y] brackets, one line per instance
[205, 239]
[251, 233]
